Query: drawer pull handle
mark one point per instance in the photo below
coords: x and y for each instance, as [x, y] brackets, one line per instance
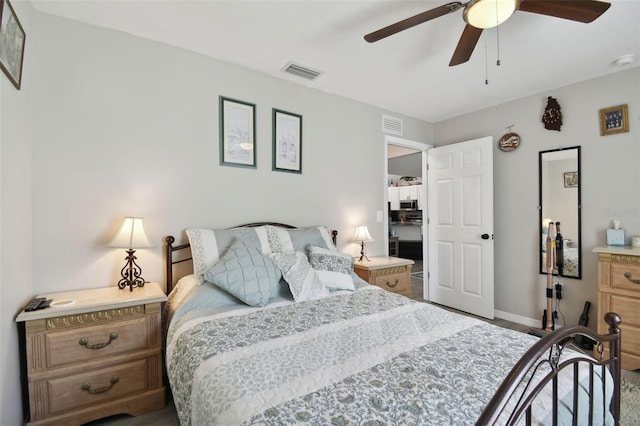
[87, 386]
[85, 341]
[627, 275]
[392, 285]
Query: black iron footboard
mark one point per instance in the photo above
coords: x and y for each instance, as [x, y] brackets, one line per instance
[555, 358]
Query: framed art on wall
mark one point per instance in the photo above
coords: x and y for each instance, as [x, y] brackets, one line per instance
[614, 120]
[287, 141]
[237, 133]
[570, 179]
[12, 39]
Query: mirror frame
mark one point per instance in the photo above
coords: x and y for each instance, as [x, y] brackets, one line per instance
[579, 212]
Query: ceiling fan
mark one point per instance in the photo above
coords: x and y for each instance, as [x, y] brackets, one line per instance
[482, 14]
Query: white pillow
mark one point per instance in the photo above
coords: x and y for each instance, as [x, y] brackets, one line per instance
[333, 268]
[301, 277]
[298, 239]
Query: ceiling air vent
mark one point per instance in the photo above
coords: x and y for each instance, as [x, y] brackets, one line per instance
[301, 71]
[391, 125]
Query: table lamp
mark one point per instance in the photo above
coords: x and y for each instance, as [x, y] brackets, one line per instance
[363, 236]
[131, 236]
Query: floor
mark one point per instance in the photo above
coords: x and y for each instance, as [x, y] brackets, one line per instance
[417, 294]
[168, 417]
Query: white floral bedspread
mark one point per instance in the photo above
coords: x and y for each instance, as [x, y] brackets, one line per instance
[367, 358]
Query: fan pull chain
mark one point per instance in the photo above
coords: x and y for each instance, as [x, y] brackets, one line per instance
[486, 64]
[498, 42]
[497, 35]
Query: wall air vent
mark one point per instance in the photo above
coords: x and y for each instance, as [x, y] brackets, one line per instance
[391, 125]
[301, 71]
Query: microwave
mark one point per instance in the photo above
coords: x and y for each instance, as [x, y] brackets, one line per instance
[408, 204]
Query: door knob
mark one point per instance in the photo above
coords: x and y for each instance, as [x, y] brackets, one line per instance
[485, 236]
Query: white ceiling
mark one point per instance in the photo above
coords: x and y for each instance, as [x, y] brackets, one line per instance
[407, 73]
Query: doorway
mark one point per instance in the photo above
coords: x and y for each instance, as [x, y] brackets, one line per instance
[405, 209]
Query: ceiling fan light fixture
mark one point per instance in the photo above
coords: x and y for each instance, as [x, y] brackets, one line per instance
[485, 14]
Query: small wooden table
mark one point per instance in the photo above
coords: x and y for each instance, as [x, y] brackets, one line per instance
[391, 273]
[97, 354]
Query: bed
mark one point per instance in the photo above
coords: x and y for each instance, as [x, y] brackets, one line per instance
[288, 334]
[570, 264]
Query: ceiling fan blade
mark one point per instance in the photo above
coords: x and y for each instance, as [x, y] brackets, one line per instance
[467, 43]
[412, 21]
[575, 10]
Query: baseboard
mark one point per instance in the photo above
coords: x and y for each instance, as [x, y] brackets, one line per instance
[529, 322]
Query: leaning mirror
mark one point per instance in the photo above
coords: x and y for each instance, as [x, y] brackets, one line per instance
[559, 180]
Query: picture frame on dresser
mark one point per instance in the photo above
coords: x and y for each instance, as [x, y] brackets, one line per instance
[287, 141]
[12, 42]
[237, 133]
[614, 120]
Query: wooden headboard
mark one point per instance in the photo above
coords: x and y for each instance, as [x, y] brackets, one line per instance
[175, 255]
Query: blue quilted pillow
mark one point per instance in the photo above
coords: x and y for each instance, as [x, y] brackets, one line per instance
[207, 245]
[246, 273]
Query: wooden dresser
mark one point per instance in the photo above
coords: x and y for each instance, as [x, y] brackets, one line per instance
[619, 291]
[98, 356]
[390, 273]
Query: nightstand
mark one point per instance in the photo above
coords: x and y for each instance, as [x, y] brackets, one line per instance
[95, 357]
[390, 273]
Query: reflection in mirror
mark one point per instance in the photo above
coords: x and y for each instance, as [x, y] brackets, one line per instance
[559, 171]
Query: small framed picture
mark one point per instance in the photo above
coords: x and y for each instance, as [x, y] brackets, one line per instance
[570, 179]
[614, 120]
[12, 38]
[237, 133]
[287, 141]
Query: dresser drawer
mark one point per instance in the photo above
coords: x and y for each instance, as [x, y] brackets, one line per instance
[89, 343]
[628, 309]
[398, 282]
[68, 393]
[627, 306]
[623, 275]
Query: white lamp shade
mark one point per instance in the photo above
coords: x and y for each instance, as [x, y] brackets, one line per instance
[131, 235]
[489, 13]
[362, 234]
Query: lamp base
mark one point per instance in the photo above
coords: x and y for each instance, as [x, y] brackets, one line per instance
[131, 273]
[362, 255]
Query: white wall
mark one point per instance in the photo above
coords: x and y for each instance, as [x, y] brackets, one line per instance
[125, 126]
[561, 204]
[108, 125]
[16, 286]
[610, 184]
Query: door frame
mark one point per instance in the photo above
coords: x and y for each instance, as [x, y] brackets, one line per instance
[419, 146]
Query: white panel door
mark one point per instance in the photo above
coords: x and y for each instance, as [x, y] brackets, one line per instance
[460, 194]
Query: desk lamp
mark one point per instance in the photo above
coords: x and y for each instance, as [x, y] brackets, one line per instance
[131, 236]
[363, 236]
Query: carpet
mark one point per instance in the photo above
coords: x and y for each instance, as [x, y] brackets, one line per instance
[629, 403]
